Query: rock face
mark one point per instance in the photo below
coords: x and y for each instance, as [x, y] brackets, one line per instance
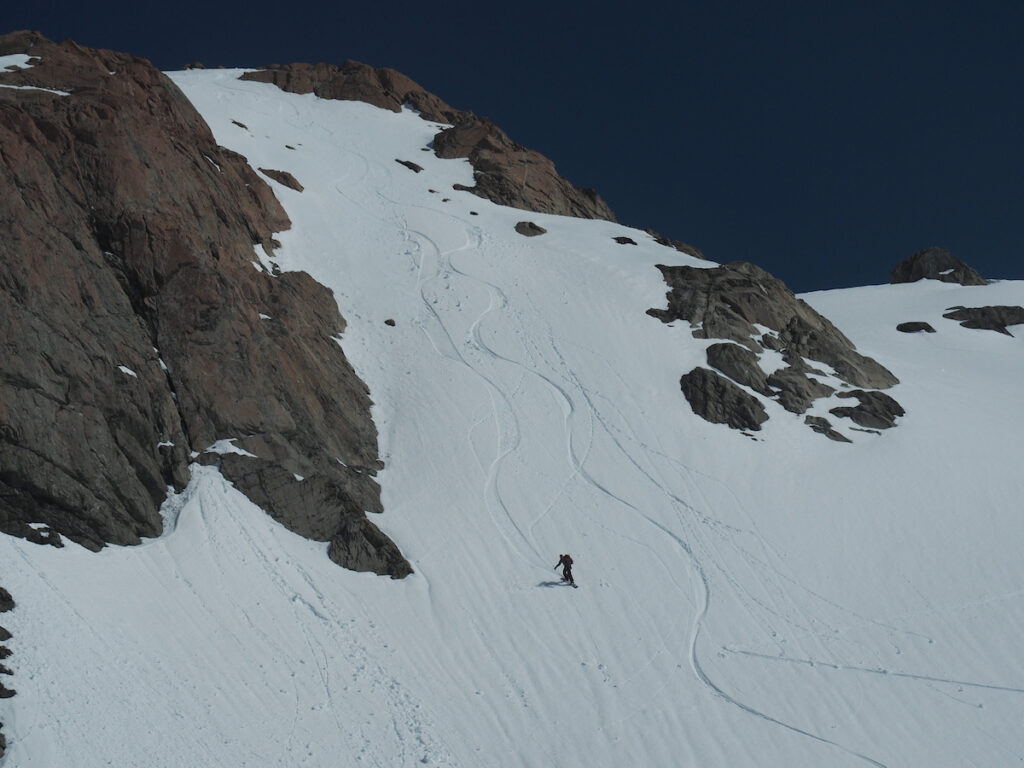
[716, 399]
[987, 318]
[135, 325]
[738, 302]
[510, 174]
[505, 172]
[935, 264]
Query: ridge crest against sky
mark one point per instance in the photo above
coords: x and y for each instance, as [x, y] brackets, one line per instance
[825, 145]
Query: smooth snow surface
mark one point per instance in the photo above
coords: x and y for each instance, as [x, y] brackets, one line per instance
[784, 601]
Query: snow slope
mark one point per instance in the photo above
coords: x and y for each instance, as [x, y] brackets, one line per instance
[779, 601]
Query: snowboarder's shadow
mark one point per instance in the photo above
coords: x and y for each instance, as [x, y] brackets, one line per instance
[553, 584]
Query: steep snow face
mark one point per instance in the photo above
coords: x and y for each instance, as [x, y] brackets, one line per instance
[784, 601]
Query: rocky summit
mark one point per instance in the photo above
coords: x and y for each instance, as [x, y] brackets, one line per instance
[145, 325]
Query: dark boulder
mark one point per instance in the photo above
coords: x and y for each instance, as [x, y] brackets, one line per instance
[987, 318]
[529, 229]
[716, 399]
[6, 601]
[414, 167]
[623, 240]
[935, 264]
[509, 174]
[915, 327]
[875, 410]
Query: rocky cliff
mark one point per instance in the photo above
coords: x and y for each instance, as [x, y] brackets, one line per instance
[141, 329]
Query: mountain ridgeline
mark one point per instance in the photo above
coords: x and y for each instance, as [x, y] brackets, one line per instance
[147, 325]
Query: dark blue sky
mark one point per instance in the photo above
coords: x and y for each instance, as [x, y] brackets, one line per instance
[823, 141]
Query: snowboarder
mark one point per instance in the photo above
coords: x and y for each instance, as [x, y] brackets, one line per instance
[566, 562]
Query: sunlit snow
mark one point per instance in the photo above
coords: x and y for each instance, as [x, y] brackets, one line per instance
[779, 601]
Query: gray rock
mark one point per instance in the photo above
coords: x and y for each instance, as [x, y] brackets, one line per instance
[935, 264]
[823, 426]
[797, 390]
[716, 399]
[736, 302]
[623, 240]
[529, 229]
[740, 365]
[915, 327]
[987, 318]
[875, 410]
[6, 601]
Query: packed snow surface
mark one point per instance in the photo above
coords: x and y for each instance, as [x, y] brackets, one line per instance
[779, 601]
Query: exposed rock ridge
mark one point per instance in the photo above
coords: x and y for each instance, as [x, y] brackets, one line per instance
[139, 328]
[505, 172]
[752, 311]
[509, 174]
[355, 81]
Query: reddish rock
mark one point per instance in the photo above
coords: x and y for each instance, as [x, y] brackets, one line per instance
[283, 177]
[355, 81]
[131, 313]
[510, 174]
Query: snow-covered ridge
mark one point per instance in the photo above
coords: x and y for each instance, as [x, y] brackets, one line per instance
[780, 603]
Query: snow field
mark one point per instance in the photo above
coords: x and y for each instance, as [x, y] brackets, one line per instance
[773, 602]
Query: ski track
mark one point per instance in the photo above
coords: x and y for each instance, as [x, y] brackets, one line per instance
[509, 439]
[711, 566]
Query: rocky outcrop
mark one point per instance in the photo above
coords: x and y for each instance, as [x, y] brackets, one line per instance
[874, 410]
[744, 304]
[508, 173]
[915, 326]
[623, 240]
[135, 326]
[355, 81]
[716, 399]
[529, 229]
[987, 318]
[283, 177]
[935, 264]
[414, 167]
[823, 426]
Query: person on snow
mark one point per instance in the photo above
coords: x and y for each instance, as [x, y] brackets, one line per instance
[566, 562]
